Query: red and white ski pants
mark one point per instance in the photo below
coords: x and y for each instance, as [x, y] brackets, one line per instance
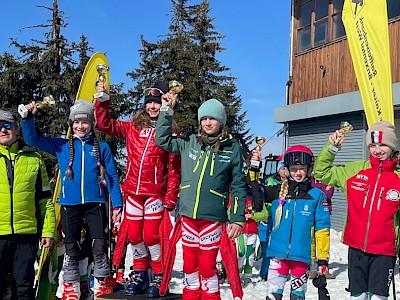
[278, 273]
[144, 215]
[200, 244]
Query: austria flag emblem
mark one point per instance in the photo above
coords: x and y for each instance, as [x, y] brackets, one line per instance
[376, 137]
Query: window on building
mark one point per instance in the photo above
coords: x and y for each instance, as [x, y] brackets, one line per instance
[393, 7]
[320, 21]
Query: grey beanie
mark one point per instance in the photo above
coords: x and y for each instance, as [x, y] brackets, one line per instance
[7, 116]
[382, 132]
[214, 109]
[82, 110]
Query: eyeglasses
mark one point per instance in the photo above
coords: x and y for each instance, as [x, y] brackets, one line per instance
[153, 91]
[6, 126]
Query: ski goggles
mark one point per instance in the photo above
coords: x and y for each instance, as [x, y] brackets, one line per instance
[297, 158]
[6, 126]
[153, 91]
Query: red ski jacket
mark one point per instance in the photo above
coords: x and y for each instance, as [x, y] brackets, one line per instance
[150, 171]
[373, 200]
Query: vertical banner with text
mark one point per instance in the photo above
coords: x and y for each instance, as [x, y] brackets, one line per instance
[367, 32]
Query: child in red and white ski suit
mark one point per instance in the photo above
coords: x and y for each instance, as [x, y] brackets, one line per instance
[151, 182]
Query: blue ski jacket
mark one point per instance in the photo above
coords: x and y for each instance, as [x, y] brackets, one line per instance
[85, 187]
[305, 216]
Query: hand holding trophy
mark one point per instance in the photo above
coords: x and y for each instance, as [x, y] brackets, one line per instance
[175, 87]
[337, 137]
[47, 101]
[102, 71]
[256, 158]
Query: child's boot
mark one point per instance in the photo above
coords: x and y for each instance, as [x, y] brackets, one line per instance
[85, 290]
[154, 290]
[103, 286]
[139, 283]
[71, 291]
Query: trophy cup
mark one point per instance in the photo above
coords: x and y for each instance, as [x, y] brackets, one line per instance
[102, 70]
[175, 87]
[344, 127]
[46, 102]
[255, 164]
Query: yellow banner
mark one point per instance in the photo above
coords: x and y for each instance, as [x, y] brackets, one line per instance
[367, 32]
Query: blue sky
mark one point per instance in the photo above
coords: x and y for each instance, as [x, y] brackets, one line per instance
[256, 41]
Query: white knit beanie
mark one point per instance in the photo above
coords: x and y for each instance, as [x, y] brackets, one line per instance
[382, 132]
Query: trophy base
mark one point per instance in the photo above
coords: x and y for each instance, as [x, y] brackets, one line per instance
[101, 96]
[333, 149]
[167, 109]
[23, 112]
[255, 164]
[164, 108]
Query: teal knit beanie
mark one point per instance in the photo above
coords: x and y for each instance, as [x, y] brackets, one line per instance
[214, 109]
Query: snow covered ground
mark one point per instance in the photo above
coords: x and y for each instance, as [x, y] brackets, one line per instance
[257, 289]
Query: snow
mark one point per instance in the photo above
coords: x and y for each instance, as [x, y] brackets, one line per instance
[257, 289]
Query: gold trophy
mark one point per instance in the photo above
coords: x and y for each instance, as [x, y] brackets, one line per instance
[102, 70]
[175, 87]
[344, 127]
[46, 102]
[255, 164]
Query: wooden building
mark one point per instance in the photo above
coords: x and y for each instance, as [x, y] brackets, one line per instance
[322, 88]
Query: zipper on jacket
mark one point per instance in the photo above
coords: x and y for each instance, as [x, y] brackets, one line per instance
[371, 205]
[198, 161]
[142, 160]
[220, 195]
[212, 165]
[83, 172]
[236, 205]
[203, 169]
[100, 190]
[380, 198]
[11, 186]
[366, 196]
[63, 187]
[291, 229]
[155, 174]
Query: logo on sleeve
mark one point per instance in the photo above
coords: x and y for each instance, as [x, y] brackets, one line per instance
[393, 195]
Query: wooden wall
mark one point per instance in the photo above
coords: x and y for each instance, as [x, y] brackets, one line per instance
[311, 82]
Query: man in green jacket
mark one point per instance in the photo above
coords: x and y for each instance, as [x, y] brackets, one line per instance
[26, 209]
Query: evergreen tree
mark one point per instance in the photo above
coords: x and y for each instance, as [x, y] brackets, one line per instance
[49, 67]
[187, 53]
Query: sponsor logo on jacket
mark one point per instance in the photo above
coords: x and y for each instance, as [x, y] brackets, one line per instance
[362, 177]
[305, 211]
[145, 132]
[393, 195]
[224, 158]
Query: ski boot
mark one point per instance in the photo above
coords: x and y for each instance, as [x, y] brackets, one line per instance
[246, 279]
[120, 276]
[71, 291]
[154, 290]
[103, 286]
[86, 292]
[119, 281]
[221, 273]
[139, 283]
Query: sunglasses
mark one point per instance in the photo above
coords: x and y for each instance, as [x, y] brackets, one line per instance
[6, 126]
[153, 91]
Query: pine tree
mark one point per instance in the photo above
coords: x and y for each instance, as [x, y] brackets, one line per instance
[49, 67]
[188, 54]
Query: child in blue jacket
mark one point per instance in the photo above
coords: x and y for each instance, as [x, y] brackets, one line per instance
[300, 215]
[85, 163]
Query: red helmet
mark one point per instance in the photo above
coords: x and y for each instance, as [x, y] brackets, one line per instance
[298, 155]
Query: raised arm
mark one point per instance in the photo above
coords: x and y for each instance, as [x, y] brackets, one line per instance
[47, 144]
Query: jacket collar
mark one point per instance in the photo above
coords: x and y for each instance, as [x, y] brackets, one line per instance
[387, 165]
[87, 138]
